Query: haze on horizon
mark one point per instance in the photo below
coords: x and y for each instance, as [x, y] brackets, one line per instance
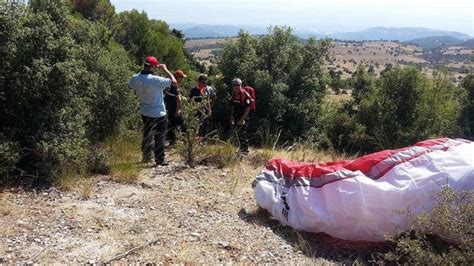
[324, 16]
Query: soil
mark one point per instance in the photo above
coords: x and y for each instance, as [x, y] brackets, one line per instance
[172, 214]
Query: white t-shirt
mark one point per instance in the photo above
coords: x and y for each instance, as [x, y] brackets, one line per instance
[149, 89]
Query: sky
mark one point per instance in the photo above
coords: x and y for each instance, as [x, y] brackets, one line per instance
[325, 16]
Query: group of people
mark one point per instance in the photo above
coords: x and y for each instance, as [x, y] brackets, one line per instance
[160, 107]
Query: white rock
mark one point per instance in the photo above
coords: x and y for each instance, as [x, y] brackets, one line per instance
[223, 244]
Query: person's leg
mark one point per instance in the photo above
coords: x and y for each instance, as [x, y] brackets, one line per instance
[147, 142]
[172, 129]
[207, 126]
[180, 123]
[243, 138]
[160, 134]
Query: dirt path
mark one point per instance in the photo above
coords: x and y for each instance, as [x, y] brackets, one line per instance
[172, 214]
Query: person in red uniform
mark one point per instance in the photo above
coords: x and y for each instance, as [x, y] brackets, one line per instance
[241, 101]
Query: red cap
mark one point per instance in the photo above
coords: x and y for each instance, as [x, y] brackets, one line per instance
[151, 61]
[179, 73]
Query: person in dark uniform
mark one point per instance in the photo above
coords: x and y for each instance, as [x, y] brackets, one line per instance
[241, 101]
[173, 107]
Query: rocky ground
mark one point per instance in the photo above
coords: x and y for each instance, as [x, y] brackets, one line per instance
[173, 214]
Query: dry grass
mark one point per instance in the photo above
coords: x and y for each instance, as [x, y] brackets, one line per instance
[86, 187]
[125, 161]
[220, 155]
[6, 207]
[67, 181]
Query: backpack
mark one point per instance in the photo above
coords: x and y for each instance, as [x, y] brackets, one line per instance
[251, 94]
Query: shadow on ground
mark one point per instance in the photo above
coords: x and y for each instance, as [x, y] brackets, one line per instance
[320, 245]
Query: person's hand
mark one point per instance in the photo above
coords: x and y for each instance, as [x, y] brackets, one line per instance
[241, 122]
[163, 66]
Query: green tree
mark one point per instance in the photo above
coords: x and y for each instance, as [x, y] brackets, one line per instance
[439, 109]
[141, 37]
[288, 76]
[363, 84]
[63, 85]
[94, 9]
[406, 107]
[468, 85]
[390, 112]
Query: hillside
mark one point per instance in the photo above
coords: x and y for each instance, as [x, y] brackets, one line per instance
[436, 42]
[469, 43]
[400, 34]
[348, 55]
[376, 33]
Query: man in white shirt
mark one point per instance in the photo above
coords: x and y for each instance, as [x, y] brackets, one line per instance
[149, 88]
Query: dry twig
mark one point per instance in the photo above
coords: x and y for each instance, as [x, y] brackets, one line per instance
[128, 252]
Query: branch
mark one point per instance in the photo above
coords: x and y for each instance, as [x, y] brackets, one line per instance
[128, 252]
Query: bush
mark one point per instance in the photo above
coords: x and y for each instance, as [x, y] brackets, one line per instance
[398, 109]
[63, 85]
[341, 128]
[187, 147]
[288, 75]
[98, 159]
[445, 237]
[468, 85]
[9, 155]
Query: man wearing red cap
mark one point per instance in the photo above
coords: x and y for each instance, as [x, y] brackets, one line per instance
[149, 88]
[173, 107]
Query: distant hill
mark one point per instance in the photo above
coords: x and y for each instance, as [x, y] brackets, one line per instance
[468, 44]
[400, 34]
[436, 42]
[216, 31]
[377, 33]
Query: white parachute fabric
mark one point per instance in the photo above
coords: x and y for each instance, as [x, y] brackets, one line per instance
[364, 199]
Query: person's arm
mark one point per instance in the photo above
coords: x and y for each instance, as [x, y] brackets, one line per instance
[231, 115]
[191, 97]
[244, 115]
[168, 73]
[178, 103]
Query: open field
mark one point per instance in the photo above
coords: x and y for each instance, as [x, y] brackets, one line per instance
[346, 56]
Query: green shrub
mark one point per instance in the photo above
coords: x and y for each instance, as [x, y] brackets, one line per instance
[98, 159]
[398, 109]
[9, 155]
[341, 128]
[63, 85]
[468, 85]
[187, 148]
[287, 73]
[445, 237]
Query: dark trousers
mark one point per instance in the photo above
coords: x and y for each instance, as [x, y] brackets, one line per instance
[242, 134]
[173, 124]
[154, 129]
[205, 126]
